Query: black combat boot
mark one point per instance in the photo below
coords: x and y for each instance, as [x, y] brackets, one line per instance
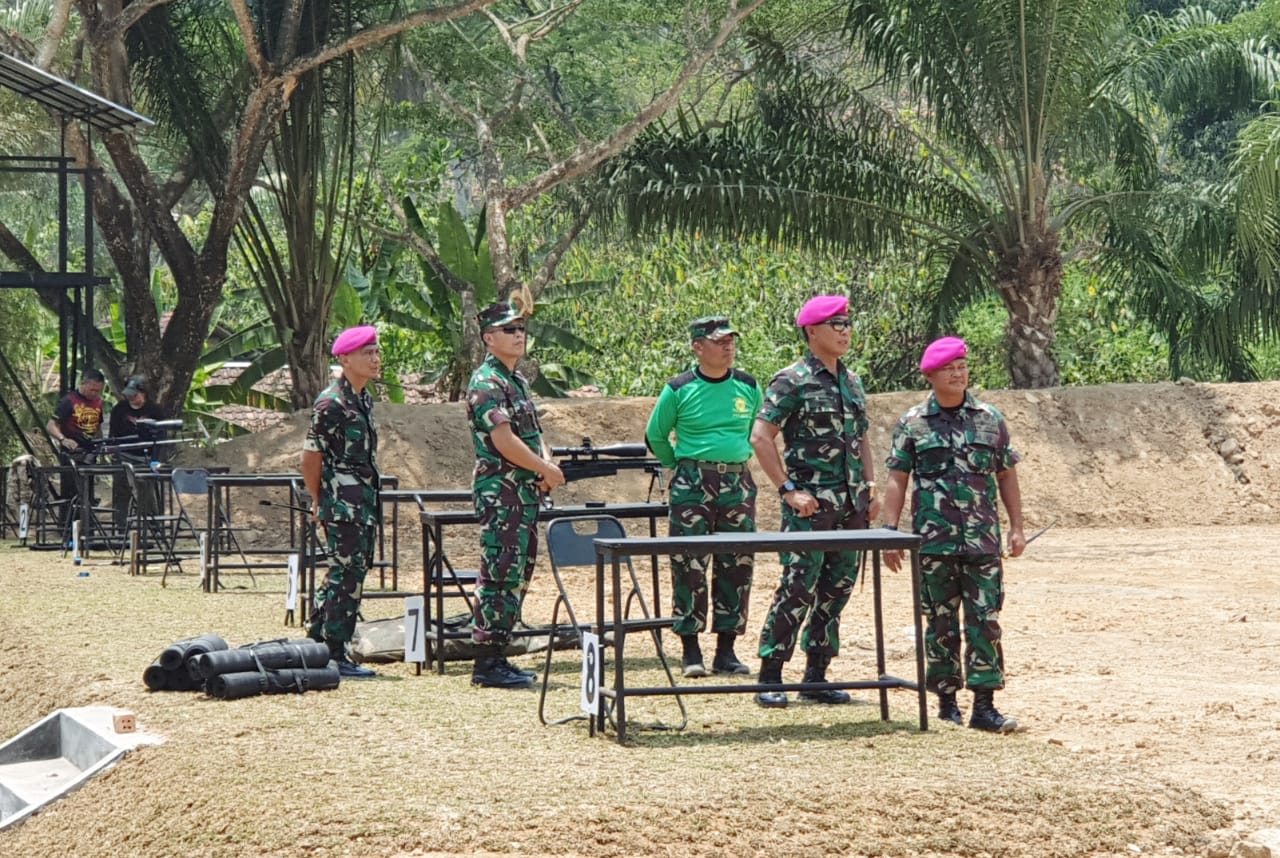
[815, 670]
[771, 674]
[492, 671]
[986, 717]
[532, 674]
[692, 657]
[725, 661]
[948, 709]
[347, 669]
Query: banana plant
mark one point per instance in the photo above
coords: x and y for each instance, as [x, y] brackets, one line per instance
[430, 307]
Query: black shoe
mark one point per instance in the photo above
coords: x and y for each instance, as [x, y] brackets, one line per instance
[532, 674]
[815, 670]
[348, 669]
[692, 658]
[725, 661]
[949, 710]
[771, 674]
[492, 671]
[985, 715]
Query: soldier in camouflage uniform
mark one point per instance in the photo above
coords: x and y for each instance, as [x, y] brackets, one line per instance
[710, 408]
[958, 450]
[826, 483]
[340, 469]
[513, 469]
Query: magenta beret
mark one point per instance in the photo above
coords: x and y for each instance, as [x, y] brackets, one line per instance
[354, 338]
[817, 310]
[942, 352]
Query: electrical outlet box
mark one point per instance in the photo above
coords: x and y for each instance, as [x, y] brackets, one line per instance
[125, 723]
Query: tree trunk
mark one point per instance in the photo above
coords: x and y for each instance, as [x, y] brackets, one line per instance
[183, 341]
[1029, 282]
[308, 364]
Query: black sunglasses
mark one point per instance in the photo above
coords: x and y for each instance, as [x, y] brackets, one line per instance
[839, 324]
[512, 329]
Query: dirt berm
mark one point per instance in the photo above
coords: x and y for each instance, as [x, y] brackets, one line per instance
[1161, 455]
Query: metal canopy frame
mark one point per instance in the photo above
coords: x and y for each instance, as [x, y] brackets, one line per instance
[65, 98]
[70, 103]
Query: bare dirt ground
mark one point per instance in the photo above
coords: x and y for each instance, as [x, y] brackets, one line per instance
[1142, 635]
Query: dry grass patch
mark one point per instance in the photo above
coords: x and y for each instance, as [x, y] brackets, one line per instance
[417, 764]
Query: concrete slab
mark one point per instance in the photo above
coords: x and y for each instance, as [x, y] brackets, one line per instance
[57, 754]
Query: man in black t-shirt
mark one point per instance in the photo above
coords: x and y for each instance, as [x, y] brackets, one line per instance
[76, 423]
[125, 427]
[77, 418]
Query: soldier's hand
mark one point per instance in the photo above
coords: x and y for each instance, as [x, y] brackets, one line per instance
[892, 559]
[1017, 543]
[551, 477]
[873, 511]
[802, 502]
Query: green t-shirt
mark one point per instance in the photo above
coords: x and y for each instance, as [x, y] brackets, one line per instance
[711, 418]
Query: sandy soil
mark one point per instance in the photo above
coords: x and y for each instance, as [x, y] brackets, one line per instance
[1142, 640]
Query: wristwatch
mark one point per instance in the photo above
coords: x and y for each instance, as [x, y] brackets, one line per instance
[786, 488]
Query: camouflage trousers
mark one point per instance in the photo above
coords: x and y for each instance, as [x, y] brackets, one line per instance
[704, 502]
[350, 546]
[948, 584]
[816, 584]
[508, 551]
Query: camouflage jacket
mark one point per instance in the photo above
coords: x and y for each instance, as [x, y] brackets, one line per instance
[955, 456]
[344, 433]
[823, 416]
[496, 395]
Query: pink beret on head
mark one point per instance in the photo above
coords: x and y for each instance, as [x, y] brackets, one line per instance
[354, 338]
[817, 310]
[942, 352]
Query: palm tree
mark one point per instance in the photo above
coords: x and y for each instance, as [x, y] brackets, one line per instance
[963, 147]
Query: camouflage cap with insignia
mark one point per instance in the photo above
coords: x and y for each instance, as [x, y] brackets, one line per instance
[711, 327]
[498, 313]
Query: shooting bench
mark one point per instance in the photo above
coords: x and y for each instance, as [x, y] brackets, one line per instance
[219, 532]
[610, 553]
[440, 580]
[97, 525]
[314, 551]
[154, 530]
[420, 498]
[219, 529]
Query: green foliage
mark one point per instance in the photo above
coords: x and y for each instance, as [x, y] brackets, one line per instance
[427, 305]
[25, 327]
[640, 324]
[424, 313]
[980, 145]
[590, 68]
[1100, 339]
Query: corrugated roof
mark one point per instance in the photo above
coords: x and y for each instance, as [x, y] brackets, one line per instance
[65, 98]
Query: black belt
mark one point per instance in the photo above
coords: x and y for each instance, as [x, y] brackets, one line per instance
[717, 467]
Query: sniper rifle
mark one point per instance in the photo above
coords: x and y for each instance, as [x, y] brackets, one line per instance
[588, 461]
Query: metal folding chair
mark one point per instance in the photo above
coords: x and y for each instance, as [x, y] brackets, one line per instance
[147, 526]
[85, 507]
[195, 481]
[570, 543]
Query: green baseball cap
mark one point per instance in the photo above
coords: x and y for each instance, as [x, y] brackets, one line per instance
[711, 327]
[498, 313]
